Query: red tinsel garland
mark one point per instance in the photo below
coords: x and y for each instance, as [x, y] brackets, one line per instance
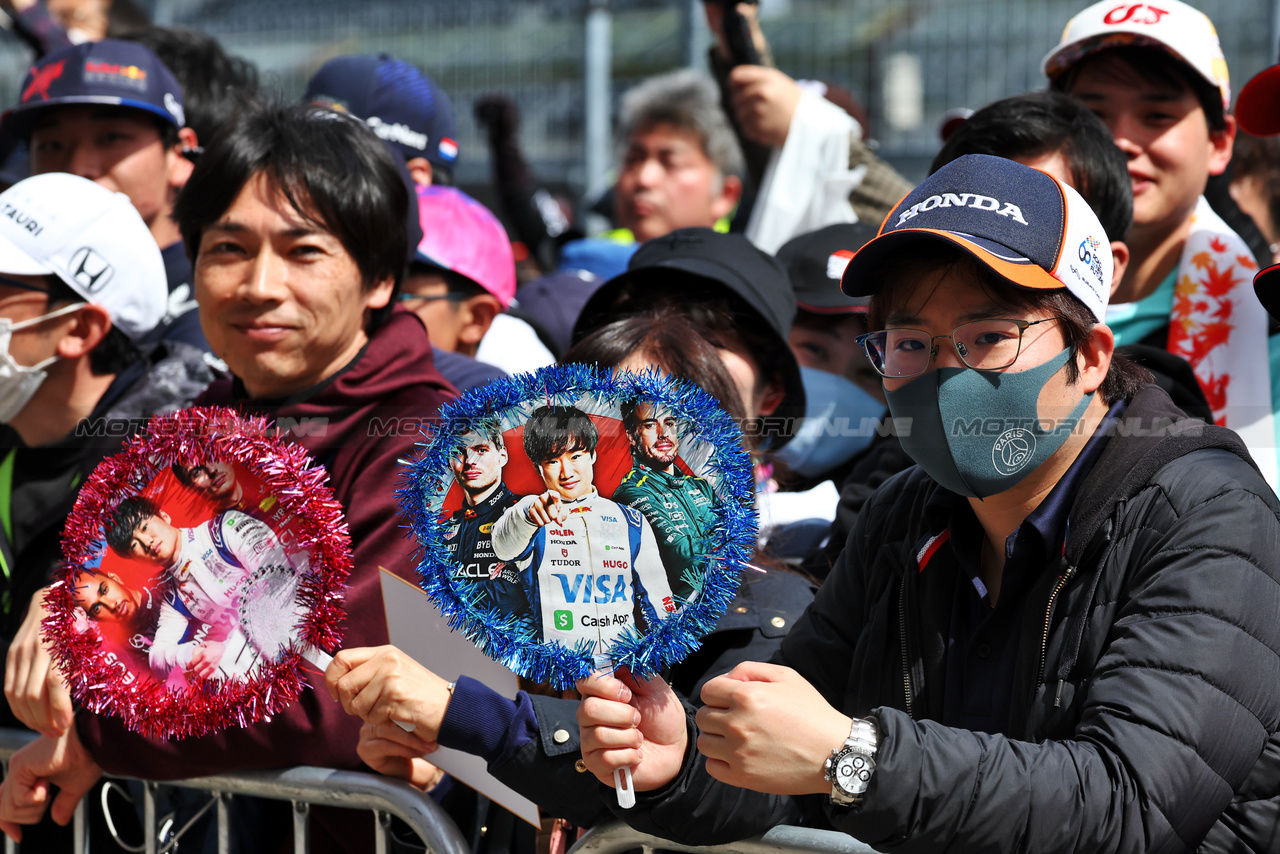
[98, 680]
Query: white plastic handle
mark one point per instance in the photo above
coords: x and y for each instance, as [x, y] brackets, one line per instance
[625, 788]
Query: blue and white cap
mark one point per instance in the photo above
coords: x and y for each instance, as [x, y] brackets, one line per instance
[111, 72]
[1025, 225]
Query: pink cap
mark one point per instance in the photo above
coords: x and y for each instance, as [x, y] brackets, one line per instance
[462, 235]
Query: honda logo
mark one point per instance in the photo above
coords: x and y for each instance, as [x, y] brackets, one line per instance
[90, 270]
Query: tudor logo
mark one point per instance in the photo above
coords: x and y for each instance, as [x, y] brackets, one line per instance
[964, 200]
[1135, 13]
[90, 270]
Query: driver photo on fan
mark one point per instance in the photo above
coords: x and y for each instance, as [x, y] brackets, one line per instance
[590, 566]
[680, 507]
[147, 613]
[216, 481]
[468, 532]
[205, 566]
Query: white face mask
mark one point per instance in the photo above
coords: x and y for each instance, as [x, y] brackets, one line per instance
[19, 382]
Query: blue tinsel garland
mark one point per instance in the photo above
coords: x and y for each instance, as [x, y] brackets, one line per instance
[730, 542]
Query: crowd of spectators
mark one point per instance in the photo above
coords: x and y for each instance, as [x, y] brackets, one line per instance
[1058, 634]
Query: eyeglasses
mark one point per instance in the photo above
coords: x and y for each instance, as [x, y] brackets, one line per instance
[984, 345]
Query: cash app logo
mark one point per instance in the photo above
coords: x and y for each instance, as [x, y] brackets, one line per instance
[563, 620]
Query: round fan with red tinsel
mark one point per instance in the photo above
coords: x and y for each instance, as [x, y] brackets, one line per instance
[205, 565]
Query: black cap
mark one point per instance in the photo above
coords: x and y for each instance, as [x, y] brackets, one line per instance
[815, 262]
[730, 261]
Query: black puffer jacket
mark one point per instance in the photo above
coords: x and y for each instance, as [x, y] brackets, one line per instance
[1147, 684]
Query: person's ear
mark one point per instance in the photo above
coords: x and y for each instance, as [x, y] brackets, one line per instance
[179, 166]
[727, 199]
[379, 295]
[1120, 258]
[165, 516]
[88, 326]
[772, 396]
[1095, 357]
[420, 170]
[477, 314]
[1221, 145]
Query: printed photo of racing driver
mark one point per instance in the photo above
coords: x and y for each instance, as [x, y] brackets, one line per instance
[203, 568]
[590, 566]
[468, 532]
[680, 507]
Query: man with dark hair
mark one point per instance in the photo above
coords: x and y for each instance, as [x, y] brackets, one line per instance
[110, 111]
[477, 468]
[1052, 131]
[996, 661]
[1186, 287]
[295, 220]
[82, 284]
[215, 480]
[203, 569]
[214, 84]
[1055, 132]
[680, 507]
[588, 564]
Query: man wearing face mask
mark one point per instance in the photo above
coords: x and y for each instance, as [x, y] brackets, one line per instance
[1047, 636]
[81, 282]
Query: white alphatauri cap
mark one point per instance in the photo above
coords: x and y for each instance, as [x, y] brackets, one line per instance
[90, 238]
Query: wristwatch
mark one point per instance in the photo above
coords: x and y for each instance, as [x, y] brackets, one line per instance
[850, 766]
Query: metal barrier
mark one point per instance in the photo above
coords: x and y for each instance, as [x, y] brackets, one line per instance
[614, 838]
[303, 787]
[307, 786]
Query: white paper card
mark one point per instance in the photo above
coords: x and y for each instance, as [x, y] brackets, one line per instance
[416, 626]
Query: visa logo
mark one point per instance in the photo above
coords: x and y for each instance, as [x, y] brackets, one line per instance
[607, 588]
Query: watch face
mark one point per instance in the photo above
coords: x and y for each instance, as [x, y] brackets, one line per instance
[853, 772]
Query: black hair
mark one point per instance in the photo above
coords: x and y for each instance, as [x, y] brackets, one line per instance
[183, 474]
[125, 519]
[724, 319]
[1157, 66]
[115, 352]
[1124, 377]
[214, 84]
[672, 341]
[125, 16]
[555, 430]
[630, 410]
[1036, 124]
[331, 168]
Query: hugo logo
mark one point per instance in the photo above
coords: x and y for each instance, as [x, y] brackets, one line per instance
[90, 270]
[1138, 13]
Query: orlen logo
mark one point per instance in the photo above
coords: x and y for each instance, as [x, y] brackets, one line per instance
[90, 270]
[1134, 13]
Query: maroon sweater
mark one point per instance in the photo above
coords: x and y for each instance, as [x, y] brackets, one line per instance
[360, 445]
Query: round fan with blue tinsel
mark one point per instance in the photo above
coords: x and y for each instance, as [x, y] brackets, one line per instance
[575, 519]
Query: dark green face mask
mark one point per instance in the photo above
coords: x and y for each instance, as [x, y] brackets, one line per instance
[978, 433]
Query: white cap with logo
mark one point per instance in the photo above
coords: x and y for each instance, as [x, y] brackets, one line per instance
[1185, 33]
[90, 238]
